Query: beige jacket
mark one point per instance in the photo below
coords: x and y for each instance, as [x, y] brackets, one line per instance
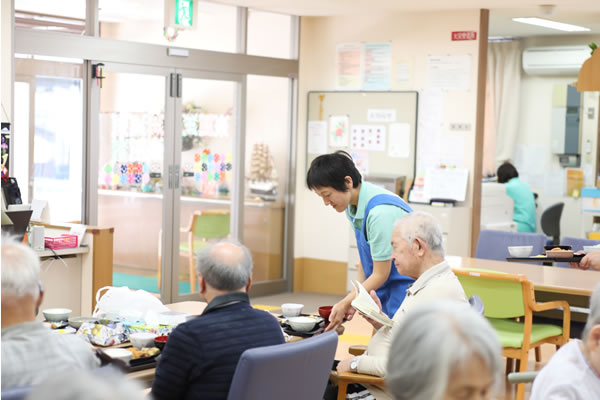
[437, 283]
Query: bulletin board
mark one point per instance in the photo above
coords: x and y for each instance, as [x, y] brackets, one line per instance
[379, 129]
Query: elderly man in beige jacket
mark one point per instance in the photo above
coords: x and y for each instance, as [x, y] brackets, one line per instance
[418, 253]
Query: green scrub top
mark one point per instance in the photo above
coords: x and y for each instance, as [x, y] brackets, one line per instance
[524, 205]
[380, 222]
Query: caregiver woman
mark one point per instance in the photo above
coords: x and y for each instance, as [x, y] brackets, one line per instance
[372, 212]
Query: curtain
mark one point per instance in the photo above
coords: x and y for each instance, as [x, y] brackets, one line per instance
[501, 104]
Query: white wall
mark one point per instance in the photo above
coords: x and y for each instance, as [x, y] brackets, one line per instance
[535, 132]
[319, 231]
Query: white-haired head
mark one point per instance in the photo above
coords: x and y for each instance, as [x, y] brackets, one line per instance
[435, 340]
[594, 317]
[226, 265]
[424, 226]
[20, 269]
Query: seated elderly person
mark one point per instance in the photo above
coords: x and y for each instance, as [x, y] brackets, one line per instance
[444, 351]
[201, 355]
[574, 371]
[30, 351]
[417, 253]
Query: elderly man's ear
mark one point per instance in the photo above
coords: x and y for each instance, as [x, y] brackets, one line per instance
[593, 340]
[38, 303]
[419, 246]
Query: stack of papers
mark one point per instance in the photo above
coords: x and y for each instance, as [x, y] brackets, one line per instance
[367, 306]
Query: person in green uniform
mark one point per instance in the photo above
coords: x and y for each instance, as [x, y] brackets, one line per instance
[372, 212]
[524, 202]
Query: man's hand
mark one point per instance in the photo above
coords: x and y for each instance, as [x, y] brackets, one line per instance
[344, 365]
[341, 310]
[376, 325]
[589, 261]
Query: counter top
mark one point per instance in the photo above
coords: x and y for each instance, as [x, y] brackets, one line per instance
[62, 252]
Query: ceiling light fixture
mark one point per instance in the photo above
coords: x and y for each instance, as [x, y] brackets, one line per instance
[546, 23]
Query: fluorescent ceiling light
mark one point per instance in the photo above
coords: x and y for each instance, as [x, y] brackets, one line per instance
[546, 23]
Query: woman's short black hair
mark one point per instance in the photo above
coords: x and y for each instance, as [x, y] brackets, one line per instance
[330, 170]
[506, 172]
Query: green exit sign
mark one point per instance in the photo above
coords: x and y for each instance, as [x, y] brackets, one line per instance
[184, 13]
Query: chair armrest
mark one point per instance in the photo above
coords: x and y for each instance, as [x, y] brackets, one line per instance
[355, 377]
[522, 377]
[357, 350]
[550, 305]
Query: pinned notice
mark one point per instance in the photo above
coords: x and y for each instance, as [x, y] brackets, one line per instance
[317, 137]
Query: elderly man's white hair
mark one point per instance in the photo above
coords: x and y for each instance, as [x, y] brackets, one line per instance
[594, 317]
[424, 226]
[20, 269]
[435, 340]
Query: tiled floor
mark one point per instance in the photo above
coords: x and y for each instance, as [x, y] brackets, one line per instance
[312, 301]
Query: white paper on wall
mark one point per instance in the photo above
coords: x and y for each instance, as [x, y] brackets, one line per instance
[368, 137]
[381, 115]
[338, 130]
[317, 137]
[449, 72]
[452, 152]
[554, 183]
[429, 129]
[399, 140]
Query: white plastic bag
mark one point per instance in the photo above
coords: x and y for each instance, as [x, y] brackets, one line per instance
[128, 304]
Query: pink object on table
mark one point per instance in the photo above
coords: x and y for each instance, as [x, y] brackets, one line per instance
[64, 241]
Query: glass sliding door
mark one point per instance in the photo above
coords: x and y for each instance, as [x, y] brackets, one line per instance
[48, 137]
[131, 180]
[206, 130]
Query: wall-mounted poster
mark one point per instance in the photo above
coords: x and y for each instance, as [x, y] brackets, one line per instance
[317, 137]
[377, 66]
[348, 66]
[338, 130]
[368, 137]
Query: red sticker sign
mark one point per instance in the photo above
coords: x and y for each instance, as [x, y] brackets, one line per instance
[464, 35]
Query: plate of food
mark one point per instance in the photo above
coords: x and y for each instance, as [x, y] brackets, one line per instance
[143, 355]
[559, 251]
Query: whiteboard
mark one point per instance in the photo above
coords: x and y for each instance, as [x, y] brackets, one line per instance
[378, 128]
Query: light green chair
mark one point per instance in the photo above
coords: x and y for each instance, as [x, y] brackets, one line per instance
[204, 226]
[507, 297]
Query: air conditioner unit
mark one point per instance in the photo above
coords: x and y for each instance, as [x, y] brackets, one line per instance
[556, 60]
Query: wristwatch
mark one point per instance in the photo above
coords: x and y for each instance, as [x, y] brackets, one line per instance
[354, 364]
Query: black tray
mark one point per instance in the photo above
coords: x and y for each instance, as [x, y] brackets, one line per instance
[138, 364]
[576, 258]
[288, 329]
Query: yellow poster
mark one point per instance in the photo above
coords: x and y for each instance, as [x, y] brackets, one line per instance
[574, 182]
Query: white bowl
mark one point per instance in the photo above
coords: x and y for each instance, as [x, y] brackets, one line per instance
[589, 249]
[302, 324]
[56, 314]
[118, 354]
[291, 309]
[520, 251]
[142, 339]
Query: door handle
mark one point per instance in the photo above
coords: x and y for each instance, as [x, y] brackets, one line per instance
[170, 177]
[176, 176]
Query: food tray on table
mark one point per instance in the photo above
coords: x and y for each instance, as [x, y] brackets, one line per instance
[133, 365]
[575, 259]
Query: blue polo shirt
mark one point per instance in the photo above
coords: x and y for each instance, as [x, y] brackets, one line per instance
[524, 205]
